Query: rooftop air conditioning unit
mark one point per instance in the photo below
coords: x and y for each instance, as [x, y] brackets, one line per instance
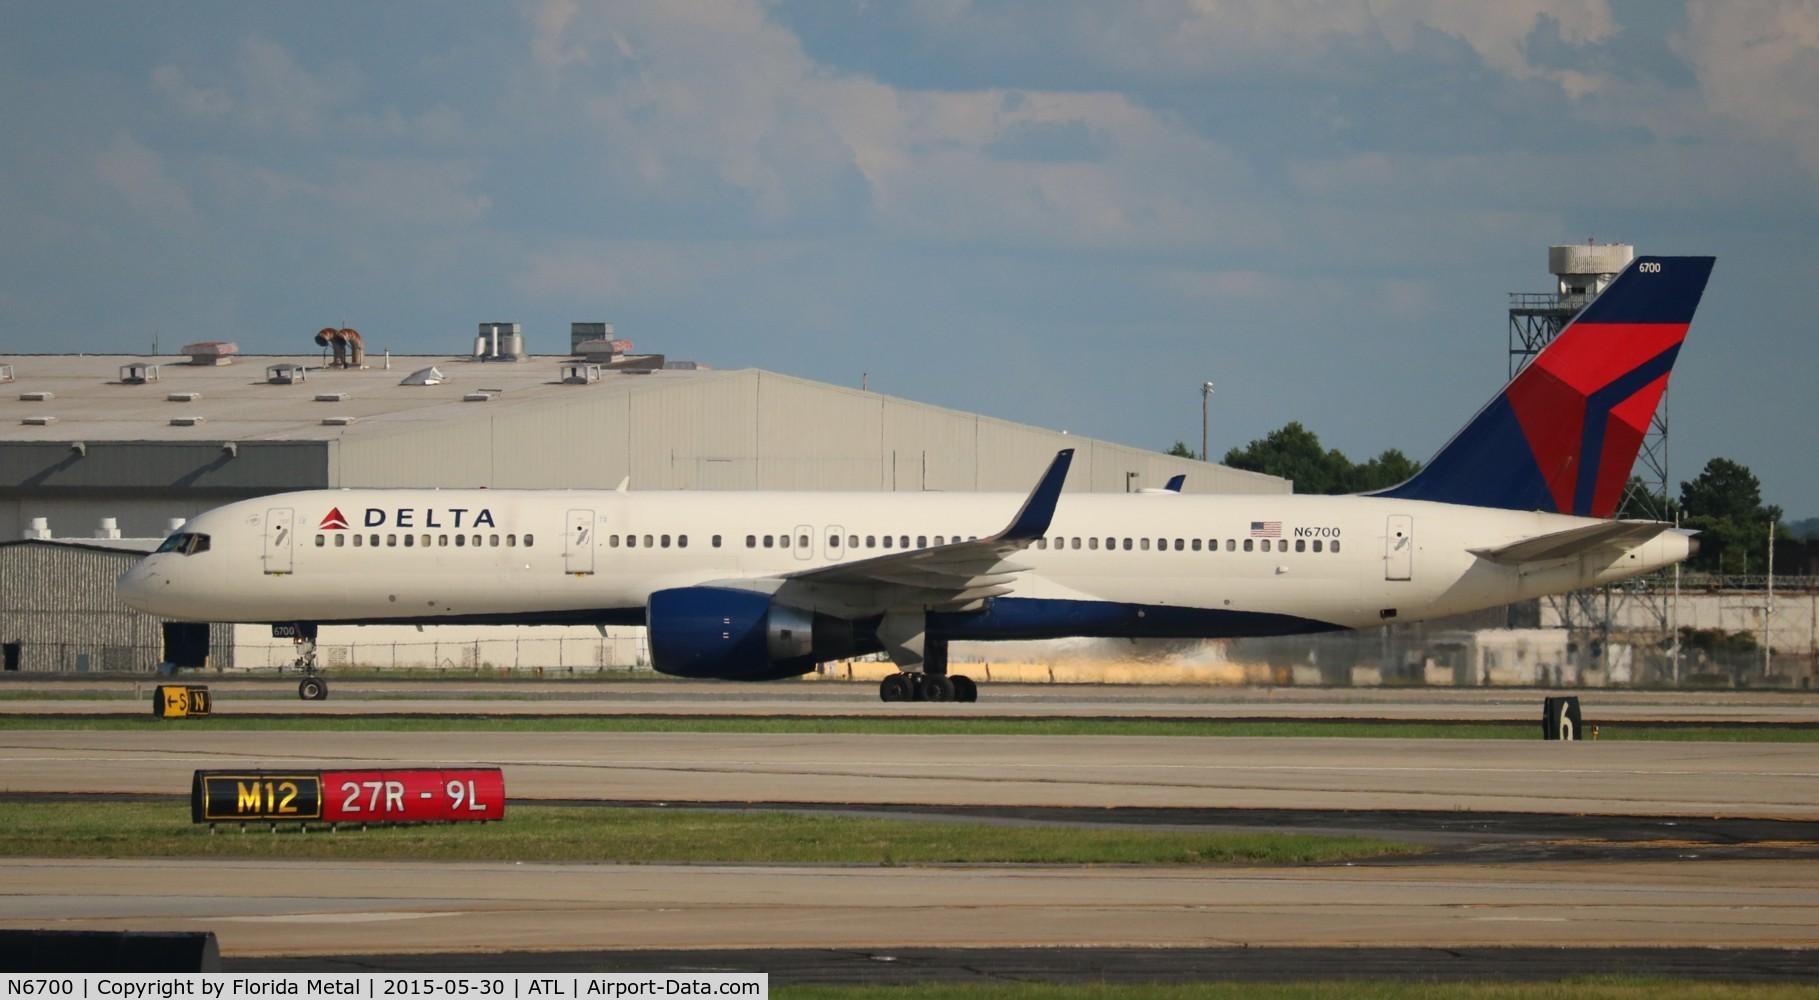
[286, 374]
[212, 352]
[578, 373]
[37, 397]
[138, 373]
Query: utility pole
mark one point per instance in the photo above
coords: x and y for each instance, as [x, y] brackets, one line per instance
[1206, 391]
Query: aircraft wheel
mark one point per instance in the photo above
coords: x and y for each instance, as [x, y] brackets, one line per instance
[964, 688]
[312, 689]
[937, 688]
[896, 687]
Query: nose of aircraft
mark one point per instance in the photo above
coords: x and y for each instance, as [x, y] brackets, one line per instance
[137, 585]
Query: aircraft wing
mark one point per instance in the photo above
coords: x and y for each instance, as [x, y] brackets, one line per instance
[1611, 535]
[954, 576]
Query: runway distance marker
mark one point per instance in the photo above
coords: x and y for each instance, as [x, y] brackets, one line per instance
[421, 795]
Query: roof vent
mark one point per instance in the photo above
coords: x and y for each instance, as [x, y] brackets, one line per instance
[186, 421]
[425, 376]
[286, 374]
[38, 421]
[603, 351]
[331, 397]
[578, 373]
[183, 397]
[37, 397]
[138, 373]
[6, 373]
[483, 396]
[211, 352]
[338, 421]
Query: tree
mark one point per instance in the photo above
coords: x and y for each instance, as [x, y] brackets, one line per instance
[1294, 452]
[1724, 502]
[1181, 450]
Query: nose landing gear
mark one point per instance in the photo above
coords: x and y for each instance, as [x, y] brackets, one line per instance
[303, 636]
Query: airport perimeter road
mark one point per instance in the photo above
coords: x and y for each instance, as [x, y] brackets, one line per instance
[329, 908]
[278, 696]
[1661, 779]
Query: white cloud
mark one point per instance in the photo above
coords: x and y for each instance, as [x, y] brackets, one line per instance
[136, 173]
[1758, 64]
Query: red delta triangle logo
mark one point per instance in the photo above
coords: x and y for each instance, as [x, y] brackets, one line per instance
[334, 521]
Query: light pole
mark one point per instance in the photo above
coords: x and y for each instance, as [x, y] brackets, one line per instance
[1206, 391]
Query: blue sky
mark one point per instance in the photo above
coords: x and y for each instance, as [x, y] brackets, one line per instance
[1064, 214]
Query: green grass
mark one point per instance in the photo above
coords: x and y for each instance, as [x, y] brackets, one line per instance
[105, 829]
[1601, 988]
[920, 726]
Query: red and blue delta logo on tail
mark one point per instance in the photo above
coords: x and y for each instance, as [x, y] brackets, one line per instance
[1564, 434]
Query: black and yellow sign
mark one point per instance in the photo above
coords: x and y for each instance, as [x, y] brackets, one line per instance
[180, 701]
[239, 796]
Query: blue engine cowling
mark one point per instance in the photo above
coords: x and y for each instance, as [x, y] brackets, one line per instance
[742, 635]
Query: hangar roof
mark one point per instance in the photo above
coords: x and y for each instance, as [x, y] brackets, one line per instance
[237, 401]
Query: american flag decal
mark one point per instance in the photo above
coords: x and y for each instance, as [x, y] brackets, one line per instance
[1266, 529]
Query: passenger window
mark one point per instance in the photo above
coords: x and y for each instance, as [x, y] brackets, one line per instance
[852, 541]
[528, 539]
[1247, 544]
[358, 539]
[887, 541]
[663, 540]
[871, 541]
[340, 541]
[495, 540]
[715, 541]
[1041, 543]
[833, 541]
[1127, 545]
[783, 541]
[940, 540]
[461, 541]
[802, 542]
[1093, 543]
[1335, 545]
[1145, 546]
[647, 541]
[770, 541]
[442, 540]
[476, 541]
[904, 541]
[1196, 545]
[922, 541]
[631, 541]
[612, 541]
[1316, 545]
[1281, 545]
[682, 541]
[373, 540]
[511, 541]
[1230, 545]
[751, 541]
[391, 541]
[1074, 543]
[1300, 545]
[321, 541]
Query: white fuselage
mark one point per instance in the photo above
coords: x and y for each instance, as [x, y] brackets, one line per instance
[580, 556]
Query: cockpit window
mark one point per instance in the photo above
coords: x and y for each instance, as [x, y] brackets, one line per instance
[186, 543]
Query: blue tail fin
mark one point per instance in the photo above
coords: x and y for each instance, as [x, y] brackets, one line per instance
[1563, 435]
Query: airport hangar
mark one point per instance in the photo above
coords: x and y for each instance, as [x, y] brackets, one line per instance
[134, 444]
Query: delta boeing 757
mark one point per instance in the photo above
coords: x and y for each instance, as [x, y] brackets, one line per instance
[763, 585]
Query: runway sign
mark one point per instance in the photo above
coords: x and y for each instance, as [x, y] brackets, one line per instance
[1560, 719]
[434, 795]
[180, 701]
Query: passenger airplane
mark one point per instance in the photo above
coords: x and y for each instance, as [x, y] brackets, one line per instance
[755, 586]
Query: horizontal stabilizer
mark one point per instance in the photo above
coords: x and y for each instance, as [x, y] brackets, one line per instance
[1613, 535]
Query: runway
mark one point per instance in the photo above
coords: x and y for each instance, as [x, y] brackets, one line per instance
[238, 695]
[1598, 859]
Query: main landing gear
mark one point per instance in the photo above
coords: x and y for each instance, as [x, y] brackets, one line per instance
[928, 687]
[922, 663]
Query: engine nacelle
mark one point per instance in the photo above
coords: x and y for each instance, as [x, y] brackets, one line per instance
[740, 635]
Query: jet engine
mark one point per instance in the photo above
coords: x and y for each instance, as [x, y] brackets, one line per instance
[743, 635]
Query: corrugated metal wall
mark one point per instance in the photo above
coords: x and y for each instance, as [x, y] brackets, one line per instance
[750, 430]
[57, 604]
